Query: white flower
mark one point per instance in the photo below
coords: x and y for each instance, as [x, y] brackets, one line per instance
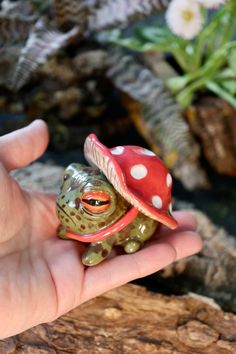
[184, 18]
[210, 4]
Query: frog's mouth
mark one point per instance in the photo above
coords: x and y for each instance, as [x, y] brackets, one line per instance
[108, 231]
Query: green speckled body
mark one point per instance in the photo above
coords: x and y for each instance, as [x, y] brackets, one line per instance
[77, 181]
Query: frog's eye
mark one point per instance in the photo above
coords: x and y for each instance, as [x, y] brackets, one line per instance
[96, 202]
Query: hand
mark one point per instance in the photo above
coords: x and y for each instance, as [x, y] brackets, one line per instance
[41, 276]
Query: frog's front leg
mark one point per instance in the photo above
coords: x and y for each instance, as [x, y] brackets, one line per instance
[61, 232]
[132, 246]
[97, 252]
[139, 232]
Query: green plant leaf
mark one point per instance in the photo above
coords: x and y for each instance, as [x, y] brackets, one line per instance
[219, 30]
[232, 60]
[146, 39]
[176, 84]
[227, 79]
[219, 91]
[185, 98]
[153, 33]
[217, 60]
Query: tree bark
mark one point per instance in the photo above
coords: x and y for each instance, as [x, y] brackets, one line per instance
[212, 272]
[213, 121]
[133, 320]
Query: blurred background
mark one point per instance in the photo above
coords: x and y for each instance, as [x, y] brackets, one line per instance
[74, 82]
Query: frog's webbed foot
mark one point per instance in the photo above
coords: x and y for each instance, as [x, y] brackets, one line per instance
[61, 232]
[96, 253]
[132, 246]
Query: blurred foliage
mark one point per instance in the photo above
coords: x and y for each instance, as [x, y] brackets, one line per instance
[207, 62]
[55, 65]
[65, 20]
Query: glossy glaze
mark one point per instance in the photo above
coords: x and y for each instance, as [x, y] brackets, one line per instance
[81, 214]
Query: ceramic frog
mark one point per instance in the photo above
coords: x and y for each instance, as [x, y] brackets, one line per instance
[116, 202]
[87, 203]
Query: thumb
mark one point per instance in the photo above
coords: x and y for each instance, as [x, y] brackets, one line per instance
[23, 146]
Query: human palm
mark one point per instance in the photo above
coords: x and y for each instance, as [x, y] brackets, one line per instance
[41, 276]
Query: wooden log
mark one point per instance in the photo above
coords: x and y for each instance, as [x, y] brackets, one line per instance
[133, 320]
[212, 272]
[212, 120]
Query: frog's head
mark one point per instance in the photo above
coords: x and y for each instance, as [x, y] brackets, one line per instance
[87, 202]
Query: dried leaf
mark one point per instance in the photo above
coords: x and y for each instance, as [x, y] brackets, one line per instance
[67, 13]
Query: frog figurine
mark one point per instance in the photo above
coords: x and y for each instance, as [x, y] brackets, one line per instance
[117, 201]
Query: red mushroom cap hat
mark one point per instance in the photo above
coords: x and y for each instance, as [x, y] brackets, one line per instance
[137, 174]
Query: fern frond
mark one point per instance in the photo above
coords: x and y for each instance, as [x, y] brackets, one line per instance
[160, 108]
[8, 58]
[119, 13]
[40, 44]
[160, 116]
[24, 7]
[14, 28]
[98, 15]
